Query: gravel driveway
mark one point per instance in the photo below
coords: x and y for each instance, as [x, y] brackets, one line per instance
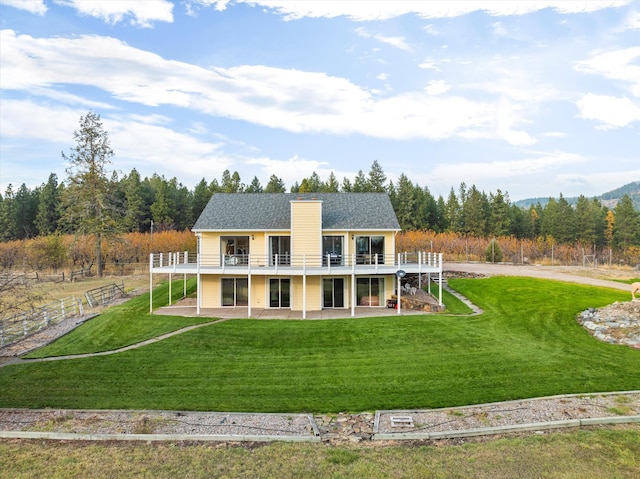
[572, 274]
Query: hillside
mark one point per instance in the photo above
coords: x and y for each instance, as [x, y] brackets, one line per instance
[609, 199]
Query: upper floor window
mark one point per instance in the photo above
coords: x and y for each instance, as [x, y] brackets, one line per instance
[332, 250]
[234, 250]
[370, 249]
[280, 248]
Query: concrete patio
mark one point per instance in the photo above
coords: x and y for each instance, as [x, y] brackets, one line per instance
[187, 307]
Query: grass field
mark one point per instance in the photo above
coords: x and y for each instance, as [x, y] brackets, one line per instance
[585, 454]
[526, 344]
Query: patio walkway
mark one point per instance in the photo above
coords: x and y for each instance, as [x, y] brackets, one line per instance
[187, 307]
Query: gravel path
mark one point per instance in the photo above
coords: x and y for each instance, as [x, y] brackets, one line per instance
[572, 274]
[530, 414]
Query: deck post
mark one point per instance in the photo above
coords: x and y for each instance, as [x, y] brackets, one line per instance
[304, 287]
[198, 285]
[440, 280]
[186, 261]
[198, 278]
[399, 294]
[353, 285]
[150, 283]
[249, 286]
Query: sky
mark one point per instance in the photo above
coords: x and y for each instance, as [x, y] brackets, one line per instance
[532, 98]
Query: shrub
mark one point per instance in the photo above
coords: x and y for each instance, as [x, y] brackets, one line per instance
[493, 253]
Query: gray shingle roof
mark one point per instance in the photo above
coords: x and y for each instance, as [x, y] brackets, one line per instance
[272, 211]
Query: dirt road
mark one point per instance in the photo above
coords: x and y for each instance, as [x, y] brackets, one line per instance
[572, 274]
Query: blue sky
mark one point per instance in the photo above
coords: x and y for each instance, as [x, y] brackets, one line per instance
[535, 98]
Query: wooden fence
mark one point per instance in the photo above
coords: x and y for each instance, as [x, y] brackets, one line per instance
[16, 327]
[21, 325]
[104, 294]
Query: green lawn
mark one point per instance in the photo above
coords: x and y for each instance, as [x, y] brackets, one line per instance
[526, 344]
[125, 324]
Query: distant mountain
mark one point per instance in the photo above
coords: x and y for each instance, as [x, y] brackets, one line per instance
[609, 199]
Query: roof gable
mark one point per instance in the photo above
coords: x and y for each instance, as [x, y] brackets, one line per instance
[272, 211]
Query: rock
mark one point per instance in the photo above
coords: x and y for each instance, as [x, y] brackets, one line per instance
[618, 323]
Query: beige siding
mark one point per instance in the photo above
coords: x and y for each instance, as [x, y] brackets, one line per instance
[306, 231]
[210, 291]
[258, 292]
[210, 244]
[314, 293]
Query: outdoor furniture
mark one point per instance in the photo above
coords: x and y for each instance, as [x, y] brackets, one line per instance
[370, 301]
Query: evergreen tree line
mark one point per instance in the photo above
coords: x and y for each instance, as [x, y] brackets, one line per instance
[159, 204]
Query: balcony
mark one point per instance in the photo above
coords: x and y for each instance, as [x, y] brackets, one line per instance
[329, 264]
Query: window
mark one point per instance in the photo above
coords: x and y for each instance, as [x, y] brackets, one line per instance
[370, 249]
[333, 293]
[279, 293]
[234, 250]
[369, 291]
[235, 292]
[332, 250]
[280, 247]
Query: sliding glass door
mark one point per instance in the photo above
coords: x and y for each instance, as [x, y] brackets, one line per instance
[333, 293]
[235, 292]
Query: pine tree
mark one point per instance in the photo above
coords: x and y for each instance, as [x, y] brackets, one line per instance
[627, 224]
[254, 186]
[90, 203]
[332, 185]
[360, 183]
[377, 178]
[275, 185]
[135, 211]
[201, 196]
[48, 213]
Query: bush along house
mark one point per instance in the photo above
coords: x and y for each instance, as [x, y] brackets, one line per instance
[300, 252]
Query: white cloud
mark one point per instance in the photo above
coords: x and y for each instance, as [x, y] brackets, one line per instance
[139, 13]
[293, 169]
[598, 183]
[192, 5]
[437, 87]
[432, 30]
[505, 168]
[138, 140]
[612, 111]
[36, 7]
[430, 64]
[632, 22]
[383, 10]
[397, 42]
[70, 98]
[39, 121]
[499, 29]
[292, 100]
[615, 65]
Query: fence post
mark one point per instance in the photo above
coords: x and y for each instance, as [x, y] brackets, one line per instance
[24, 324]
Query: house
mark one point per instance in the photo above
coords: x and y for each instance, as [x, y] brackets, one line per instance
[303, 252]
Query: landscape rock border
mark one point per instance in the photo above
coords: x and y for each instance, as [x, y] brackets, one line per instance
[617, 323]
[538, 414]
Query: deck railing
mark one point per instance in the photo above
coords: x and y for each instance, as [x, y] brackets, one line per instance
[328, 261]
